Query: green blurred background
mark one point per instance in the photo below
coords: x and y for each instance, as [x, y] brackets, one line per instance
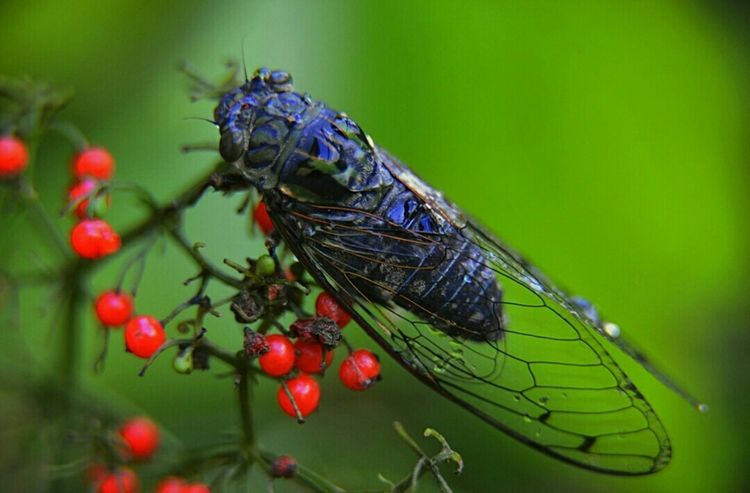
[606, 140]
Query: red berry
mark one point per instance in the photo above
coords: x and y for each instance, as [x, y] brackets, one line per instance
[95, 162]
[260, 214]
[306, 393]
[197, 488]
[143, 336]
[122, 480]
[13, 156]
[171, 484]
[94, 238]
[279, 359]
[327, 306]
[114, 309]
[310, 356]
[141, 435]
[360, 370]
[84, 188]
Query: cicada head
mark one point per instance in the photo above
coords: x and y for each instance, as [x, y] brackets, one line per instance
[235, 114]
[254, 119]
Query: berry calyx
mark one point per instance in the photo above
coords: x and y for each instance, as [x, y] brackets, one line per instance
[14, 157]
[114, 309]
[122, 480]
[310, 356]
[141, 435]
[360, 370]
[196, 488]
[306, 394]
[171, 484]
[143, 336]
[262, 219]
[327, 306]
[279, 359]
[94, 162]
[93, 239]
[84, 188]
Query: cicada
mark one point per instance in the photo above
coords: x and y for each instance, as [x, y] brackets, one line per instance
[459, 309]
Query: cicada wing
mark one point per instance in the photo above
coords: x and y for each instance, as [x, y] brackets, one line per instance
[548, 382]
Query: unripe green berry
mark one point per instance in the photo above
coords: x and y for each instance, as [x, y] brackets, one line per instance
[265, 266]
[183, 361]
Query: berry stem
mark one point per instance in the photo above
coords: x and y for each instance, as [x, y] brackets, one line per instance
[140, 259]
[300, 418]
[102, 357]
[30, 196]
[140, 192]
[208, 267]
[72, 133]
[166, 345]
[71, 324]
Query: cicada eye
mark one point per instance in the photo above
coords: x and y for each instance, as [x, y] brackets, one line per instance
[281, 81]
[280, 77]
[245, 106]
[232, 145]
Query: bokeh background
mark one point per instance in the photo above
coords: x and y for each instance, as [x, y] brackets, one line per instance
[608, 141]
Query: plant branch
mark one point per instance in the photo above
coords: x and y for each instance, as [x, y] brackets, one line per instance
[208, 267]
[246, 412]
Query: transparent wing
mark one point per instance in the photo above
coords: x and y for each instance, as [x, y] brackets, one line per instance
[547, 382]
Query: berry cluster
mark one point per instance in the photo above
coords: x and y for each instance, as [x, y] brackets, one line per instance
[311, 353]
[144, 334]
[136, 441]
[268, 288]
[91, 237]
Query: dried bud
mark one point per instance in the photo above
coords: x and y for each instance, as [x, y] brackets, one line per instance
[255, 344]
[321, 329]
[283, 466]
[246, 307]
[275, 294]
[200, 358]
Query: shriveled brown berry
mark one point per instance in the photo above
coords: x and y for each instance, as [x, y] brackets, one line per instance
[321, 329]
[283, 466]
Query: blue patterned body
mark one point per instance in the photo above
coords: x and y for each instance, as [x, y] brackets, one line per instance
[318, 170]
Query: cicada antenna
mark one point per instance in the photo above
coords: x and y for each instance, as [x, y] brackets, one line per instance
[244, 61]
[215, 124]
